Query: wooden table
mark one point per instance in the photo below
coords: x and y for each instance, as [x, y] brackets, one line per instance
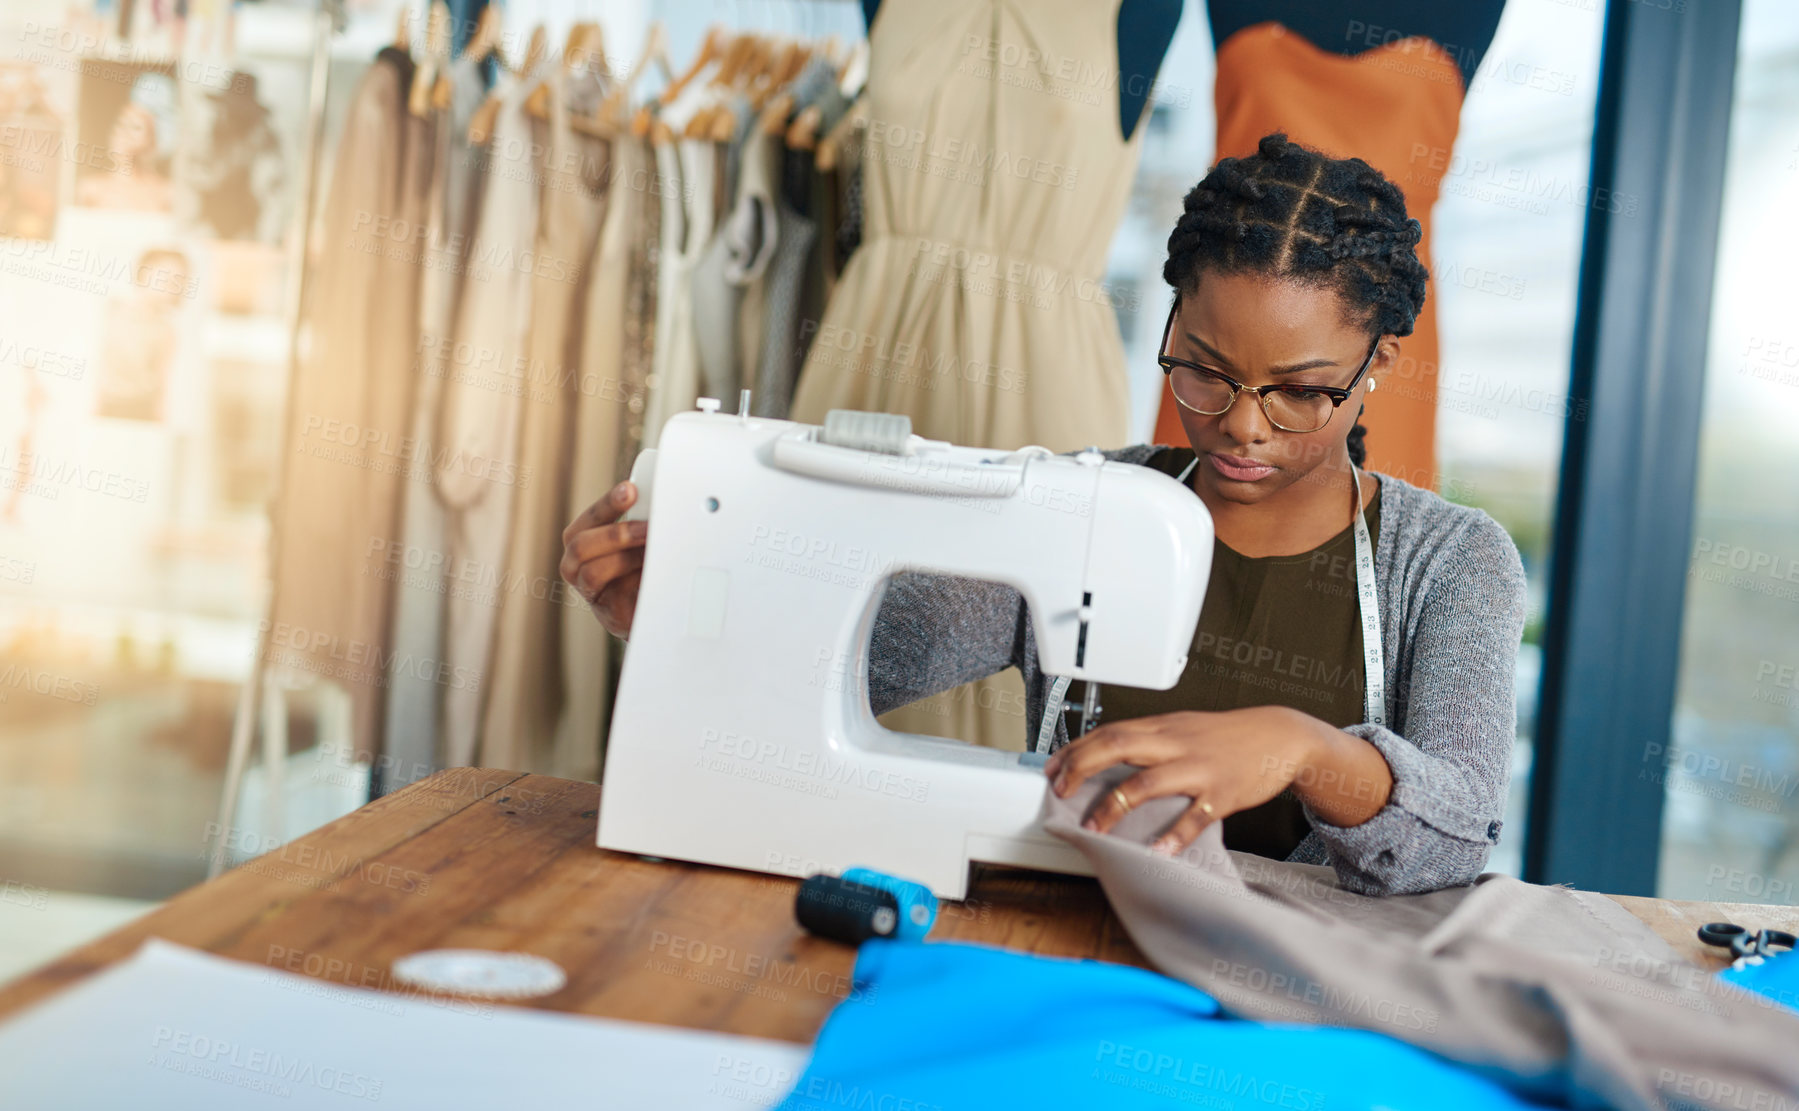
[497, 860]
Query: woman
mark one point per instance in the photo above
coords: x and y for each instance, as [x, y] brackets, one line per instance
[1295, 274]
[139, 150]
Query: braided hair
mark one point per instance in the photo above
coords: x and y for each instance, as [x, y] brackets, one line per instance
[1291, 212]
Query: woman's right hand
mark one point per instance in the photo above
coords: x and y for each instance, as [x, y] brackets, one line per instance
[602, 558]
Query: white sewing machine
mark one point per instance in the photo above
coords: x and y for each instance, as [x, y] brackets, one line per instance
[742, 734]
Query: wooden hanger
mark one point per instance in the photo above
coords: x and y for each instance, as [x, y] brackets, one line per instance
[611, 112]
[802, 134]
[735, 48]
[745, 58]
[798, 55]
[584, 49]
[442, 91]
[537, 104]
[593, 51]
[831, 146]
[590, 54]
[711, 49]
[480, 125]
[775, 99]
[758, 64]
[645, 122]
[764, 76]
[486, 39]
[430, 72]
[773, 120]
[537, 46]
[403, 29]
[855, 71]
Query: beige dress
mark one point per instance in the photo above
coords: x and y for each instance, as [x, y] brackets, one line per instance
[477, 449]
[994, 175]
[975, 303]
[351, 411]
[525, 694]
[694, 164]
[609, 405]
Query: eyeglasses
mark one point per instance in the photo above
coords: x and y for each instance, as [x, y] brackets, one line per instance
[1289, 407]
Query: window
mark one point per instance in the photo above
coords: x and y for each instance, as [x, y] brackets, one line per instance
[1730, 824]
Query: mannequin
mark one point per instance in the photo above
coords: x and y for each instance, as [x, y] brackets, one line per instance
[1145, 28]
[1382, 80]
[1464, 29]
[975, 284]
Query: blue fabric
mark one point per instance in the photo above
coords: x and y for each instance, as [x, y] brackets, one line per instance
[949, 1026]
[1777, 978]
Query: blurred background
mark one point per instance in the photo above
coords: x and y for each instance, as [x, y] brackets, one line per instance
[149, 323]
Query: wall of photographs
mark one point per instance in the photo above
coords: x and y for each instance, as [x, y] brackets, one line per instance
[150, 172]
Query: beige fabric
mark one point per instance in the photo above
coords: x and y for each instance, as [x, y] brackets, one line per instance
[641, 299]
[1561, 993]
[343, 481]
[525, 692]
[602, 422]
[757, 189]
[694, 162]
[478, 473]
[415, 692]
[989, 205]
[672, 305]
[975, 303]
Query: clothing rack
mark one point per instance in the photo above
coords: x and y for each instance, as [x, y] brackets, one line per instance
[773, 56]
[328, 22]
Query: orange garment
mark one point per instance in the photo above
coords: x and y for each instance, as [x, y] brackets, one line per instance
[1396, 107]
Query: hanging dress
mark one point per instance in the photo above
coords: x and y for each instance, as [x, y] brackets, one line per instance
[608, 410]
[694, 164]
[344, 481]
[415, 690]
[994, 175]
[525, 694]
[477, 454]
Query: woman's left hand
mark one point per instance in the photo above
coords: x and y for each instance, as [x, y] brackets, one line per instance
[1224, 762]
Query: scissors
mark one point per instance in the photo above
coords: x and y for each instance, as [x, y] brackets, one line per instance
[1744, 943]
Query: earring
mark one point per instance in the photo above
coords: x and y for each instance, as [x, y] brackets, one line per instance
[1373, 382]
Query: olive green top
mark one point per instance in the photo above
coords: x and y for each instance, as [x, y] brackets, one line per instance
[1452, 604]
[1273, 631]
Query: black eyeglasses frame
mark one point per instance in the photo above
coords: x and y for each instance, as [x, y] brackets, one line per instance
[1337, 395]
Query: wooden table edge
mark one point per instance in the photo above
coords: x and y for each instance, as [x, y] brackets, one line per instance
[1674, 920]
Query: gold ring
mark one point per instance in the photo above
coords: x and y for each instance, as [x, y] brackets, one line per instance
[1123, 803]
[1206, 809]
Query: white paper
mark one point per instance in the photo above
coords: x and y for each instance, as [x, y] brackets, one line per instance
[179, 1029]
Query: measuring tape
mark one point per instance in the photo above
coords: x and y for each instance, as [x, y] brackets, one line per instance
[1374, 676]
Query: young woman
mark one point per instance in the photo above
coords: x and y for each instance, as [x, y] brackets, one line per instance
[1348, 696]
[140, 148]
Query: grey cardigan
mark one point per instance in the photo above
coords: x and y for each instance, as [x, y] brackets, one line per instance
[1452, 613]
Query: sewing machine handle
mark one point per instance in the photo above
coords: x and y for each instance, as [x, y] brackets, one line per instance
[927, 472]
